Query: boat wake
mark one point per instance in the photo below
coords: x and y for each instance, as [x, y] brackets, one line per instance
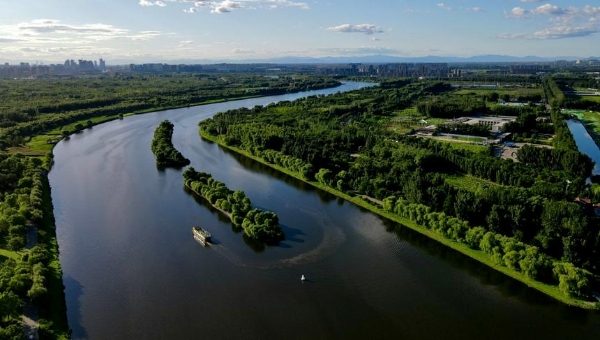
[333, 237]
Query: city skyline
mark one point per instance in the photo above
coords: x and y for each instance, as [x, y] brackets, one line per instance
[170, 30]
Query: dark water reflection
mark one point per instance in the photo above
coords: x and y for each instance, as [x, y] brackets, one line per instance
[133, 271]
[585, 142]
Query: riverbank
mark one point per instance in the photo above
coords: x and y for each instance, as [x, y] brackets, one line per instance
[477, 255]
[39, 144]
[54, 308]
[589, 120]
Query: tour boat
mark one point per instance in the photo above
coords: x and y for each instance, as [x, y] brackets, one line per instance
[201, 235]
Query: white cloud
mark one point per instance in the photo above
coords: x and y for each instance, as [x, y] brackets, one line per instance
[9, 40]
[566, 22]
[566, 31]
[477, 9]
[531, 0]
[48, 32]
[444, 6]
[511, 36]
[147, 3]
[549, 9]
[361, 28]
[226, 6]
[356, 51]
[518, 12]
[242, 51]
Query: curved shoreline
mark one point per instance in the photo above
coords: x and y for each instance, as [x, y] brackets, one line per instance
[45, 148]
[479, 256]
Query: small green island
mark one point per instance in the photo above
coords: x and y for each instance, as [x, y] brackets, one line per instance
[162, 147]
[257, 224]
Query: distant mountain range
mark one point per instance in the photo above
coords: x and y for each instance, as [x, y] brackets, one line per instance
[372, 59]
[379, 59]
[425, 59]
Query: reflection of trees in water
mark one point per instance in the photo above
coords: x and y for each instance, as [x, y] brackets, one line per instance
[487, 276]
[256, 167]
[74, 291]
[202, 201]
[256, 246]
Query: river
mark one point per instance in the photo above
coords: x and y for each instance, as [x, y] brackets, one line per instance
[585, 142]
[133, 271]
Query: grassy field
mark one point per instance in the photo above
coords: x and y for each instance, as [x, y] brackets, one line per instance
[39, 145]
[406, 120]
[477, 148]
[511, 92]
[461, 143]
[10, 254]
[595, 99]
[477, 255]
[469, 183]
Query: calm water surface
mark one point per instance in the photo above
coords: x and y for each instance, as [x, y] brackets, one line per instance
[585, 142]
[133, 271]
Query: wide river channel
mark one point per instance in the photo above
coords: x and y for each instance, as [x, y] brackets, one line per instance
[133, 271]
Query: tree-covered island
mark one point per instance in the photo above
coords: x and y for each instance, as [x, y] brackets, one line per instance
[257, 224]
[163, 149]
[520, 210]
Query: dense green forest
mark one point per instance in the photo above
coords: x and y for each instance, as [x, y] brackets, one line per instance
[28, 276]
[257, 224]
[523, 215]
[163, 149]
[29, 107]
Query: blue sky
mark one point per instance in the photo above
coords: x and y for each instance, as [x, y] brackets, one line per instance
[168, 30]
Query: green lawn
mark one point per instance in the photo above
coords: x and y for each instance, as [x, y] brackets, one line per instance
[514, 92]
[10, 254]
[467, 146]
[406, 120]
[595, 99]
[469, 183]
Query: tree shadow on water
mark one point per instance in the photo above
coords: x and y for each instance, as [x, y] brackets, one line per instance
[505, 285]
[291, 234]
[74, 291]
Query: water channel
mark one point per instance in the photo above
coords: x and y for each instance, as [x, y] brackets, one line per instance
[585, 142]
[133, 271]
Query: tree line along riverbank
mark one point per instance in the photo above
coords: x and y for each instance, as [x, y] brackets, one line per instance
[516, 218]
[30, 272]
[36, 114]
